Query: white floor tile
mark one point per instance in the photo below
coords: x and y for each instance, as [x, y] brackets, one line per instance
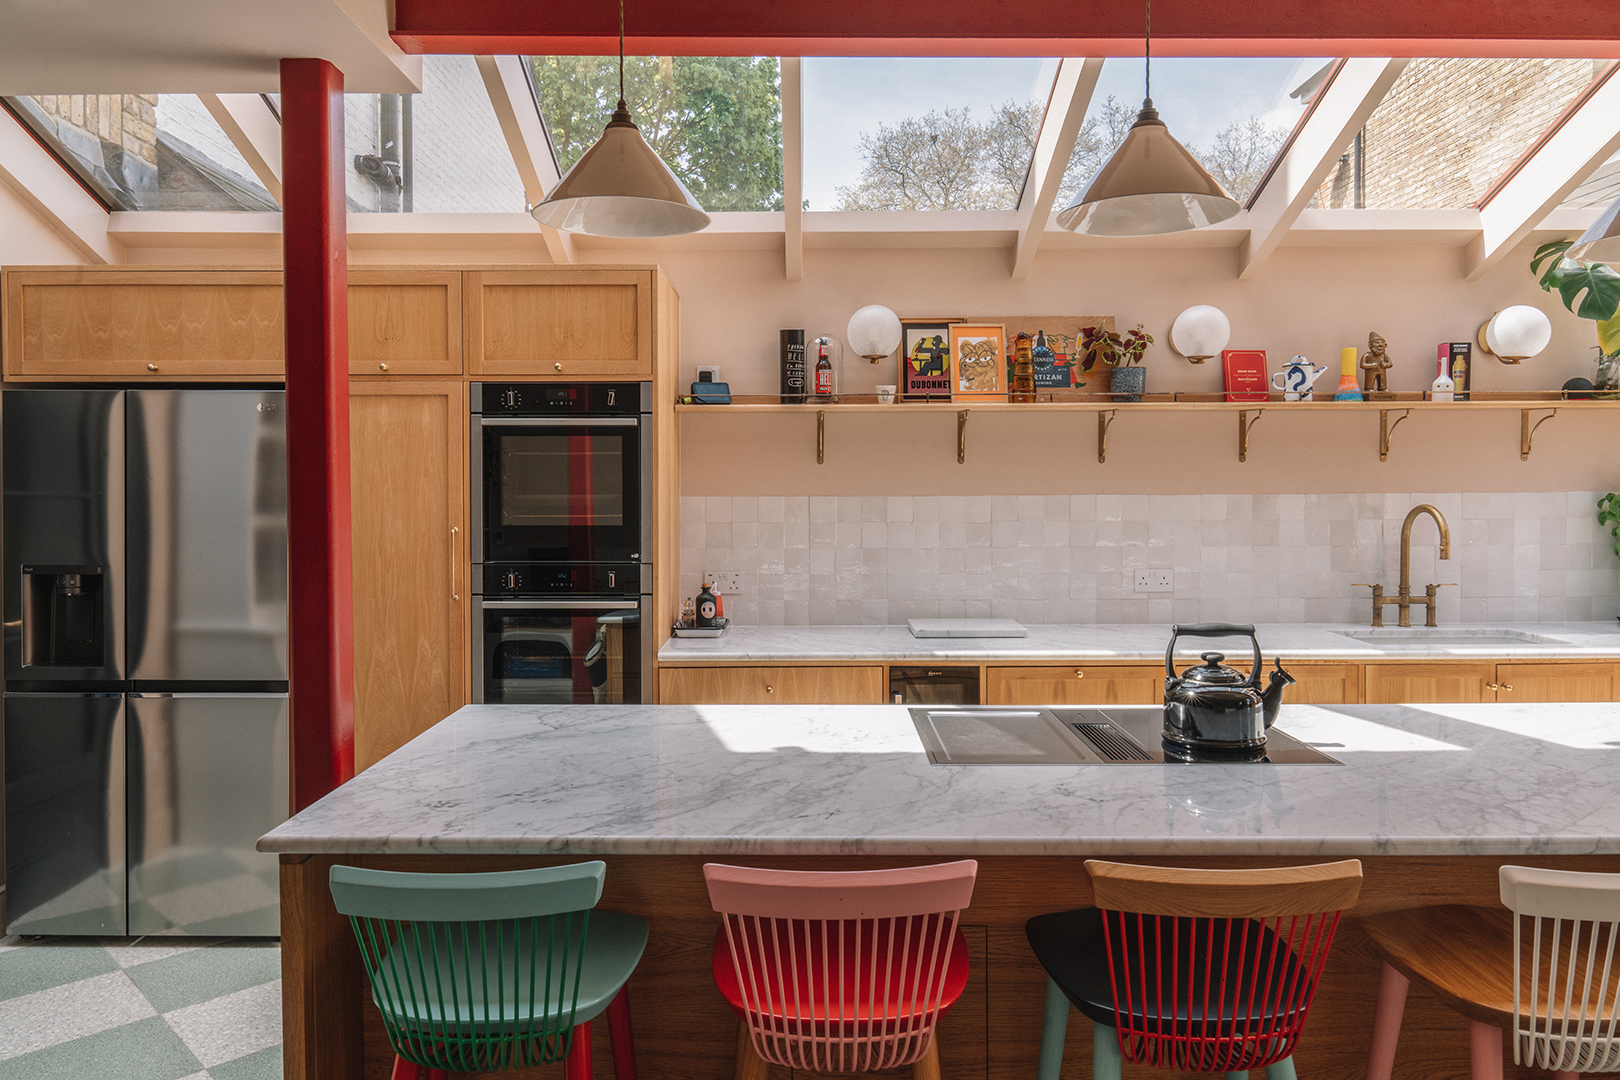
[129, 952]
[229, 1027]
[51, 1017]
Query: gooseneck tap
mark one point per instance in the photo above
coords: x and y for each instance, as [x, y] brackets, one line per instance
[1404, 600]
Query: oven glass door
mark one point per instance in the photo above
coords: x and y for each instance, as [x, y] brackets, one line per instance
[561, 652]
[561, 490]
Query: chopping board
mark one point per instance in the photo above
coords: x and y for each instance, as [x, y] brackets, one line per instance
[965, 628]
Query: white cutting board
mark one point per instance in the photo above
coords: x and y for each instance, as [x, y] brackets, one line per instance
[965, 628]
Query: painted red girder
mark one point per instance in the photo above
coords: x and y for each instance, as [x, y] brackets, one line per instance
[1012, 27]
[315, 292]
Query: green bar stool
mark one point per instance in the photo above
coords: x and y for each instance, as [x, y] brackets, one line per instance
[480, 972]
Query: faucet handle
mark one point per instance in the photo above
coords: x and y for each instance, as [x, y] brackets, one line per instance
[1363, 585]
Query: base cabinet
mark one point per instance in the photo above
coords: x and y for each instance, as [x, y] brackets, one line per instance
[771, 686]
[1083, 684]
[1556, 682]
[1436, 682]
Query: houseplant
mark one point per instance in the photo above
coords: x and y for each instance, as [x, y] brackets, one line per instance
[1597, 288]
[1122, 353]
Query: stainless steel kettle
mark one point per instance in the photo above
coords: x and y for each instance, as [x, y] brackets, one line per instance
[1213, 707]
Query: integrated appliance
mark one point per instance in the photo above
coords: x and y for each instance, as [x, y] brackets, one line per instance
[934, 685]
[145, 643]
[562, 510]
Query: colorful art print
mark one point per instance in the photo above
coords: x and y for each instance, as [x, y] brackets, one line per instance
[1055, 344]
[925, 360]
[978, 350]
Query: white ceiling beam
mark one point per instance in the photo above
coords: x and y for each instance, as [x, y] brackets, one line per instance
[1579, 145]
[255, 132]
[1054, 145]
[512, 95]
[1341, 109]
[54, 194]
[793, 168]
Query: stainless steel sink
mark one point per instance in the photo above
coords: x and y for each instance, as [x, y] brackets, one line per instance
[1418, 637]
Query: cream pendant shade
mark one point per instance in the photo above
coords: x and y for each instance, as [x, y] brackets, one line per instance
[1600, 243]
[1151, 185]
[620, 187]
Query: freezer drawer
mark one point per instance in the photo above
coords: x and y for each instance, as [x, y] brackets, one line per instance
[64, 813]
[207, 778]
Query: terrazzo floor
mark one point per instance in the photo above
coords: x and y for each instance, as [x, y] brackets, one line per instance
[156, 1008]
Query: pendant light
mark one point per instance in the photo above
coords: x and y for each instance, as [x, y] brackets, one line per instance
[620, 187]
[1600, 243]
[1151, 184]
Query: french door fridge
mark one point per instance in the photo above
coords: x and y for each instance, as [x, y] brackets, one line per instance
[145, 616]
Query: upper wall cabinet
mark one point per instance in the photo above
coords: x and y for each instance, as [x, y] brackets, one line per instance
[585, 323]
[405, 322]
[142, 324]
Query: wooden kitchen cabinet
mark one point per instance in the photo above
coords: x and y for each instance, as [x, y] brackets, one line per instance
[573, 323]
[1079, 684]
[408, 467]
[770, 686]
[1525, 682]
[1429, 682]
[405, 322]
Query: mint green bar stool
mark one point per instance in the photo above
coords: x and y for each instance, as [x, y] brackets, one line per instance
[481, 972]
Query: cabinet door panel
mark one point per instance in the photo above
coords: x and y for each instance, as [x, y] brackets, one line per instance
[578, 323]
[409, 444]
[1317, 682]
[1080, 684]
[771, 686]
[1555, 682]
[1429, 683]
[405, 322]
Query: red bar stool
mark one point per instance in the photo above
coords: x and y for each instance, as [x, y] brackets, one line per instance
[840, 971]
[1194, 970]
[1543, 966]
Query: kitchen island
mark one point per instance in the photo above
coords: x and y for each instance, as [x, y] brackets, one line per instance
[1433, 799]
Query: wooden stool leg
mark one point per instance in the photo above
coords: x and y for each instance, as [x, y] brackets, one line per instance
[404, 1070]
[438, 1074]
[620, 1038]
[1053, 1029]
[1484, 1051]
[1386, 1029]
[577, 1066]
[1566, 1076]
[927, 1066]
[1106, 1060]
[1282, 1070]
[750, 1066]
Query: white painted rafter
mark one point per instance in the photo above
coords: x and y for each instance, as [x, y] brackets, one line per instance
[1060, 127]
[1583, 140]
[1341, 108]
[793, 167]
[45, 185]
[255, 132]
[512, 96]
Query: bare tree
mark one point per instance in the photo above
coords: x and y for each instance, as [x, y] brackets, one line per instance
[1099, 137]
[1241, 154]
[922, 163]
[1010, 141]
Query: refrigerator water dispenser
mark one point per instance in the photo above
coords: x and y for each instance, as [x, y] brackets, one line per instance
[62, 616]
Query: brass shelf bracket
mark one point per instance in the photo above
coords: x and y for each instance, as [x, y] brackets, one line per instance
[1105, 420]
[961, 437]
[821, 436]
[1386, 429]
[1244, 426]
[1527, 434]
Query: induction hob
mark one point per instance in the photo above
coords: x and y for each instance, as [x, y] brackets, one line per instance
[1053, 735]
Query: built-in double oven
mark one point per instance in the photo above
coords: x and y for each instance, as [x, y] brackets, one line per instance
[562, 513]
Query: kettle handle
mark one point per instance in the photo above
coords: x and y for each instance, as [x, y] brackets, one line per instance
[1213, 629]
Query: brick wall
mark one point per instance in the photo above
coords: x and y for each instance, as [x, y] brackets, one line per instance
[126, 120]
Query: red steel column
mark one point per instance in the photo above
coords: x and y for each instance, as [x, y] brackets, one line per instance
[320, 570]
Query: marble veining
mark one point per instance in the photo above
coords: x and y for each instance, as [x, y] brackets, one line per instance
[736, 781]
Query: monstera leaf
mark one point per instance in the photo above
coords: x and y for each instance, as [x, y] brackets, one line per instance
[1591, 291]
[1609, 335]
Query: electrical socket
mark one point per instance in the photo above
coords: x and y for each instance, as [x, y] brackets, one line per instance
[1155, 581]
[714, 372]
[725, 582]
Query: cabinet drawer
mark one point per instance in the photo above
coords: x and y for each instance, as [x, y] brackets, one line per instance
[1429, 683]
[771, 686]
[566, 324]
[405, 322]
[1555, 682]
[1079, 684]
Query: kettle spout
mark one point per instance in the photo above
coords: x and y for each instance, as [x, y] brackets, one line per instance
[1271, 700]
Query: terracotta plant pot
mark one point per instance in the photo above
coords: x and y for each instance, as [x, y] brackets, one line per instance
[1128, 383]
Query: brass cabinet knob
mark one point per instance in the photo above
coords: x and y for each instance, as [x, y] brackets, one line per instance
[770, 689]
[1507, 686]
[557, 366]
[1079, 674]
[383, 367]
[1493, 686]
[151, 367]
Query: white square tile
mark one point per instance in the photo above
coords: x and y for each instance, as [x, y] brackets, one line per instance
[772, 508]
[899, 508]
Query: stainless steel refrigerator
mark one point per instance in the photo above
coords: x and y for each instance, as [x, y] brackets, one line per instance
[145, 623]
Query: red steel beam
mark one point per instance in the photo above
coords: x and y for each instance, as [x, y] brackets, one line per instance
[319, 566]
[1011, 27]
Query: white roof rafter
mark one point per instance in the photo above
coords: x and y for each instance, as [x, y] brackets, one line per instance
[255, 132]
[55, 194]
[1054, 144]
[512, 95]
[792, 167]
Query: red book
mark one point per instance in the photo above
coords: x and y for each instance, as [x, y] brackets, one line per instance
[1246, 375]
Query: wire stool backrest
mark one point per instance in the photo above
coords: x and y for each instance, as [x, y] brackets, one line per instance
[1566, 984]
[473, 972]
[842, 971]
[1215, 970]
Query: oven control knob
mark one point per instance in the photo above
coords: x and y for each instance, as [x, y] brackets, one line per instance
[512, 581]
[511, 399]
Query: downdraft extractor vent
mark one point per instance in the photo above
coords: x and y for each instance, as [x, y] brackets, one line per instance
[1111, 742]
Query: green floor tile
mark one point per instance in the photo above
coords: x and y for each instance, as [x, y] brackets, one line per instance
[205, 974]
[43, 965]
[144, 1050]
[264, 1065]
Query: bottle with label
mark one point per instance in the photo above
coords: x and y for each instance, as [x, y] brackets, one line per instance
[707, 613]
[1023, 370]
[824, 370]
[793, 373]
[1442, 388]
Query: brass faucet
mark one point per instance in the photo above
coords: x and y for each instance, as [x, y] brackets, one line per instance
[1405, 600]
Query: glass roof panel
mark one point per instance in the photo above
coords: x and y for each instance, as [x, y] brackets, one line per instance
[145, 151]
[1599, 189]
[1449, 129]
[439, 151]
[917, 133]
[1233, 113]
[716, 121]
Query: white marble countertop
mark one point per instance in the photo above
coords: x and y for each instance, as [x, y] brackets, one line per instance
[745, 780]
[1299, 641]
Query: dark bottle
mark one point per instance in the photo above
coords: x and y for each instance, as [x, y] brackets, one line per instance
[793, 373]
[708, 614]
[1023, 372]
[824, 372]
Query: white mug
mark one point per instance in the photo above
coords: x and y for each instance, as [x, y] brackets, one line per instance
[885, 395]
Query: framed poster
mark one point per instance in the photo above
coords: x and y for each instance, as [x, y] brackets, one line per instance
[1055, 345]
[925, 360]
[978, 350]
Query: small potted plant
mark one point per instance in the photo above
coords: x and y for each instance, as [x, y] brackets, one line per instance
[1122, 353]
[1600, 303]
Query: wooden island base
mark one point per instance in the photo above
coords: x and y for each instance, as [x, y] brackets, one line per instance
[683, 1030]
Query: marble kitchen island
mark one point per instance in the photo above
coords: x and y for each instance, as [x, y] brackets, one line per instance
[1432, 798]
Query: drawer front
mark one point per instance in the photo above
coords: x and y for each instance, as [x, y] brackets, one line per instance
[771, 686]
[1080, 684]
[1429, 683]
[575, 324]
[1555, 682]
[405, 323]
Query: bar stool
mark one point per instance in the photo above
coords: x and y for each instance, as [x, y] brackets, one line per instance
[840, 971]
[1194, 970]
[1542, 966]
[478, 972]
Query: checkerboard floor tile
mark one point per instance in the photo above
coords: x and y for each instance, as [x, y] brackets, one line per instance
[155, 1008]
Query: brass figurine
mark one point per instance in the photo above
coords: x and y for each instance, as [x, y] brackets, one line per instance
[1376, 363]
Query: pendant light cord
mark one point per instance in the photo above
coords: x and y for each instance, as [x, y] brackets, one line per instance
[1147, 49]
[621, 54]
